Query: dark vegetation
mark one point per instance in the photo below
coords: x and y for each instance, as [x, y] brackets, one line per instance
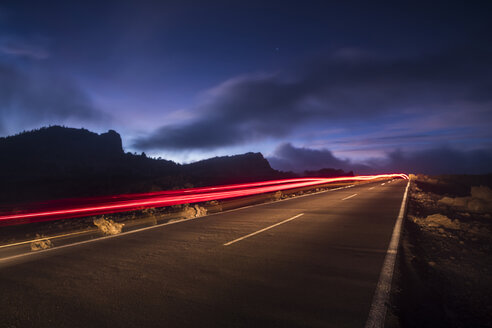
[59, 162]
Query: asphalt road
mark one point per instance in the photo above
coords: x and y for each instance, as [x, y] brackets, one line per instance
[318, 269]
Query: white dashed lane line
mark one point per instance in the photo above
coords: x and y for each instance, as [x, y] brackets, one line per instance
[349, 197]
[264, 229]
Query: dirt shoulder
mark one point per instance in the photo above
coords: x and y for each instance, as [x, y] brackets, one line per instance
[444, 269]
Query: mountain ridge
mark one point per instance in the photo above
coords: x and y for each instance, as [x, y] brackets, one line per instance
[61, 162]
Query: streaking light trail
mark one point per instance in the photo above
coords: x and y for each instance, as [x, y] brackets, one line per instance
[72, 208]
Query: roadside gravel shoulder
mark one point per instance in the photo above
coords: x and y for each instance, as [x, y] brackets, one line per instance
[444, 270]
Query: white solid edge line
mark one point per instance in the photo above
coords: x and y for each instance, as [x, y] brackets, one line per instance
[6, 259]
[377, 313]
[264, 229]
[349, 197]
[51, 237]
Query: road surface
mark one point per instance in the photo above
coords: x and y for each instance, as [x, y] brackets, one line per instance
[311, 261]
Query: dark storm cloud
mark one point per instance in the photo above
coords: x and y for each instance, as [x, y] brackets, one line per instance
[344, 87]
[439, 160]
[286, 157]
[243, 109]
[39, 97]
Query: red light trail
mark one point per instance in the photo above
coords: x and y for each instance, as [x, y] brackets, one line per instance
[72, 208]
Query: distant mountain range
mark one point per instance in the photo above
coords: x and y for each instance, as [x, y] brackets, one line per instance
[60, 162]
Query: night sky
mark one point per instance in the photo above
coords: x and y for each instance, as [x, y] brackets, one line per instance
[368, 86]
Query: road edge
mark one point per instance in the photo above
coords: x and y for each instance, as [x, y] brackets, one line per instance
[377, 313]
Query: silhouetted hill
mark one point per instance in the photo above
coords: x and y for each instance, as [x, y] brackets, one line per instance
[328, 173]
[64, 144]
[65, 152]
[230, 169]
[60, 162]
